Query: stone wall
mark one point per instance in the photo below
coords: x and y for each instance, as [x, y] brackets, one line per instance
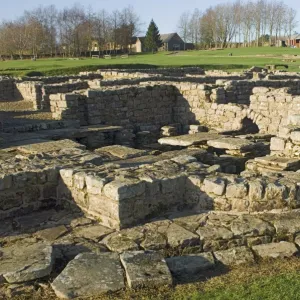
[7, 88]
[276, 105]
[239, 91]
[23, 192]
[149, 107]
[63, 79]
[31, 91]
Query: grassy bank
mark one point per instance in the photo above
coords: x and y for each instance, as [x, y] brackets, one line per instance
[241, 59]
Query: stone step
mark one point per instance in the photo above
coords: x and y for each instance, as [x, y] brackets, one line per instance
[241, 145]
[280, 163]
[186, 140]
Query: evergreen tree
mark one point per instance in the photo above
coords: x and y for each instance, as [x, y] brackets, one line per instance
[153, 40]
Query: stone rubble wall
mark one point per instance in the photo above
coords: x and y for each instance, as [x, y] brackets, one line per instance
[63, 79]
[276, 105]
[151, 106]
[145, 79]
[31, 91]
[23, 192]
[7, 88]
[119, 73]
[123, 202]
[239, 91]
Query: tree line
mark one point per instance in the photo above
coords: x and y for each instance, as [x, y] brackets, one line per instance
[242, 23]
[70, 31]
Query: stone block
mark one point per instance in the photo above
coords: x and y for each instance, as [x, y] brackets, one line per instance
[26, 262]
[275, 250]
[277, 144]
[125, 189]
[89, 275]
[215, 185]
[184, 268]
[236, 190]
[145, 269]
[235, 256]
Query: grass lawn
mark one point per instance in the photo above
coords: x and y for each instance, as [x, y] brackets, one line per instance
[242, 59]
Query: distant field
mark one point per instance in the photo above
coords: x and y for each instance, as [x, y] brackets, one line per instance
[241, 59]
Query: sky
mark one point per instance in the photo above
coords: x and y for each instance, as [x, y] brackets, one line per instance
[165, 13]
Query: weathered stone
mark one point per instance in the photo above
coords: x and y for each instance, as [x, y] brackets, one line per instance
[180, 237]
[125, 189]
[186, 267]
[234, 256]
[276, 250]
[122, 152]
[211, 232]
[189, 139]
[247, 225]
[256, 190]
[94, 233]
[232, 144]
[51, 234]
[236, 190]
[26, 262]
[89, 275]
[215, 185]
[144, 269]
[49, 146]
[277, 144]
[286, 225]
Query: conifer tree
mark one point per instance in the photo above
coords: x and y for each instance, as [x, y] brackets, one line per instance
[153, 40]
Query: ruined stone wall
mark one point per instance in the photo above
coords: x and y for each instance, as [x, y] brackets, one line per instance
[7, 88]
[134, 73]
[23, 192]
[145, 108]
[63, 79]
[31, 91]
[153, 106]
[276, 105]
[240, 91]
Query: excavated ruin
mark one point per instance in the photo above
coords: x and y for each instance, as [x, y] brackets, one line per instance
[117, 173]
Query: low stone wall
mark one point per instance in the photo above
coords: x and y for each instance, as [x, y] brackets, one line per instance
[119, 202]
[118, 73]
[7, 88]
[276, 105]
[239, 91]
[23, 192]
[63, 79]
[151, 106]
[31, 91]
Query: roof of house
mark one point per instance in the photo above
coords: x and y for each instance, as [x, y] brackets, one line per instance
[295, 37]
[164, 37]
[167, 37]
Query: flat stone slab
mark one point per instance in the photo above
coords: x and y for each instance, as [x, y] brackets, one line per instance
[275, 250]
[21, 263]
[242, 145]
[89, 274]
[145, 269]
[122, 152]
[235, 256]
[94, 233]
[187, 140]
[282, 163]
[188, 266]
[51, 146]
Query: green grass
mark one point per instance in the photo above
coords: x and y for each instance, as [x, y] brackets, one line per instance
[242, 59]
[281, 287]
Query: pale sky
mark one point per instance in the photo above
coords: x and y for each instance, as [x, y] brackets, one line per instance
[164, 12]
